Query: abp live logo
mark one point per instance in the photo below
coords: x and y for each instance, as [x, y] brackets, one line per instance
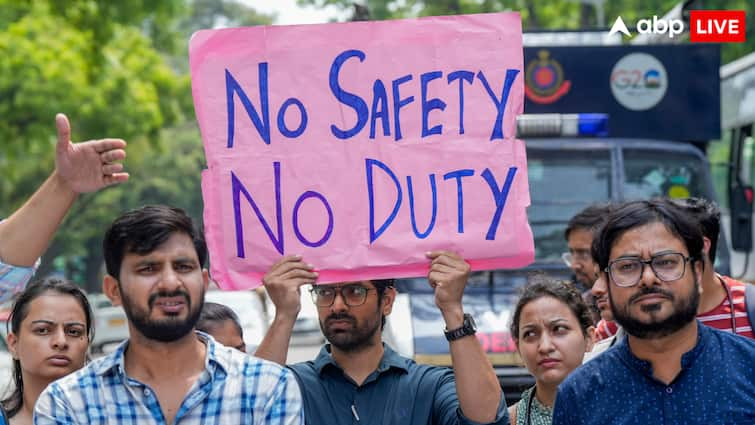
[706, 26]
[717, 26]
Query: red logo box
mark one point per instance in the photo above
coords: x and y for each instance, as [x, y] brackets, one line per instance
[717, 26]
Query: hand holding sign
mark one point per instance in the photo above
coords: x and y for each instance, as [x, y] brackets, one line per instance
[283, 284]
[448, 276]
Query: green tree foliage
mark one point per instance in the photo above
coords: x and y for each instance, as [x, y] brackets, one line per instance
[117, 69]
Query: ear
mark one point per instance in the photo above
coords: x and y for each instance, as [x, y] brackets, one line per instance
[699, 276]
[206, 279]
[12, 340]
[112, 290]
[706, 245]
[389, 296]
[590, 338]
[699, 269]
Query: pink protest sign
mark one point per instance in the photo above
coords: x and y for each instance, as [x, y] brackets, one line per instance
[362, 146]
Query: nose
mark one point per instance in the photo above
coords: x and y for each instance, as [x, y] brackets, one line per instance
[545, 344]
[648, 277]
[576, 263]
[339, 304]
[59, 340]
[169, 280]
[599, 287]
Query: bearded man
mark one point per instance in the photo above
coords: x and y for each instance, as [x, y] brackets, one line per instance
[669, 369]
[166, 372]
[358, 379]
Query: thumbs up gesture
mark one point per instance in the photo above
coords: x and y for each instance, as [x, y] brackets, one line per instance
[88, 166]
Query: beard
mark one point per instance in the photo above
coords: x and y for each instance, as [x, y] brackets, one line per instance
[684, 312]
[164, 330]
[358, 337]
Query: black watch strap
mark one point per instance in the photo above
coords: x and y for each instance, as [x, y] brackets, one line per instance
[468, 328]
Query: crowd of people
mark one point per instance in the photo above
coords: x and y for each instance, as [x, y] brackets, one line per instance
[647, 333]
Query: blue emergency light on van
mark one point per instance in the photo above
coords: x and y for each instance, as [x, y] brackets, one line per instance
[562, 125]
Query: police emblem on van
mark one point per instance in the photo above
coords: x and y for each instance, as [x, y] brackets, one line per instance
[544, 79]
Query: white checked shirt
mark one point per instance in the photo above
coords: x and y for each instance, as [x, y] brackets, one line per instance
[235, 388]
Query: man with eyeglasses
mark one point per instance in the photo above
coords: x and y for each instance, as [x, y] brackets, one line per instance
[579, 235]
[669, 369]
[356, 378]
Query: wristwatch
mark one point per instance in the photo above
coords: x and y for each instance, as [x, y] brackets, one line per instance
[468, 328]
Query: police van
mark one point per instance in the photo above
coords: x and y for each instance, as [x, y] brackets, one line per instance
[626, 122]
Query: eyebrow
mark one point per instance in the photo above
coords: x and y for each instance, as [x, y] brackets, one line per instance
[50, 322]
[185, 260]
[535, 325]
[142, 263]
[665, 251]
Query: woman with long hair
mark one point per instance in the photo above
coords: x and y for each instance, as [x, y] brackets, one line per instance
[552, 328]
[50, 331]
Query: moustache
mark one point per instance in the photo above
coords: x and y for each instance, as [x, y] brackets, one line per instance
[650, 290]
[153, 298]
[340, 316]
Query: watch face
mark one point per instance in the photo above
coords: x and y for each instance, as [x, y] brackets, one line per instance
[469, 321]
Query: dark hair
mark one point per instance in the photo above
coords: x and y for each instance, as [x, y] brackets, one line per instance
[13, 403]
[591, 218]
[540, 285]
[709, 216]
[639, 213]
[214, 314]
[380, 286]
[142, 230]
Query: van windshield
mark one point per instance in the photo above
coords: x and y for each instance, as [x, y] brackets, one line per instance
[678, 175]
[560, 186]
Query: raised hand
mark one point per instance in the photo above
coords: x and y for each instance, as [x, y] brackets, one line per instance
[284, 281]
[448, 276]
[88, 166]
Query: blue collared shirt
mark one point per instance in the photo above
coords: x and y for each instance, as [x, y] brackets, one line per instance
[715, 386]
[399, 392]
[234, 388]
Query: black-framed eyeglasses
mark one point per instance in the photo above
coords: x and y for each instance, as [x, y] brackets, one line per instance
[578, 255]
[353, 295]
[627, 271]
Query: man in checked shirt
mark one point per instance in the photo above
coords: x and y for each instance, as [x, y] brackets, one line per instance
[166, 372]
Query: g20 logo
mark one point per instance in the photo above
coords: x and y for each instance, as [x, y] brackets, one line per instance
[639, 81]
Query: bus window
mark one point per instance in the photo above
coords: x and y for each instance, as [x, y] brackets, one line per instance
[675, 175]
[561, 184]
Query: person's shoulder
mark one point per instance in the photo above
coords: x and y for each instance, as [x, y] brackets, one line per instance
[732, 283]
[732, 342]
[244, 364]
[84, 379]
[596, 372]
[303, 368]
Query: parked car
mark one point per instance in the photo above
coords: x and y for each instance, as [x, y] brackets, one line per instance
[110, 323]
[251, 311]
